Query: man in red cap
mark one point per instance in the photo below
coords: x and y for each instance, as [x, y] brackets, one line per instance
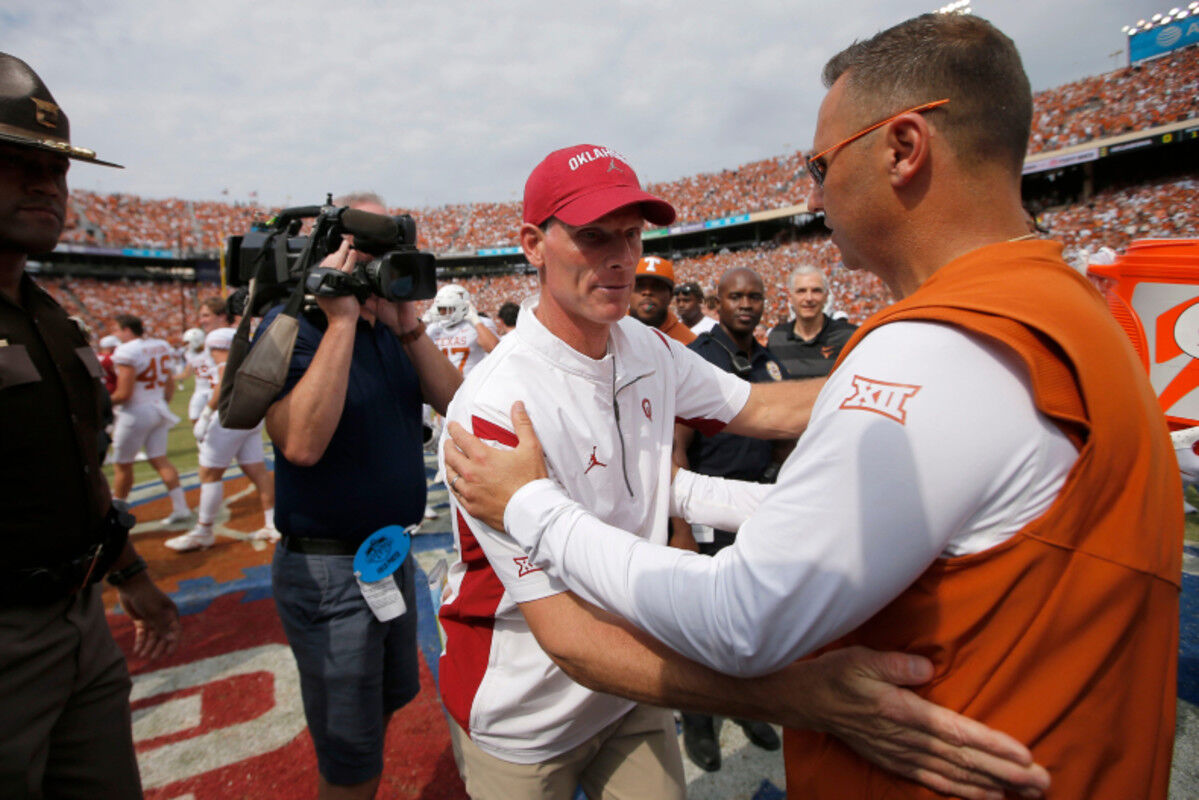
[527, 663]
[651, 299]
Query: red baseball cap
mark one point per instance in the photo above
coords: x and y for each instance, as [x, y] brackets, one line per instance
[580, 184]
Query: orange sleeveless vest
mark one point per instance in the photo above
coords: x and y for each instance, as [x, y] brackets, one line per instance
[1066, 635]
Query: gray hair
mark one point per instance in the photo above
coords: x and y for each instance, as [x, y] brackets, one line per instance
[807, 269]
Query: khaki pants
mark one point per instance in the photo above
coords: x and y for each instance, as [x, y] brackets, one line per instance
[65, 727]
[635, 758]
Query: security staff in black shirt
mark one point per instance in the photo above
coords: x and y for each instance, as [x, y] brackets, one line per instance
[64, 686]
[809, 345]
[732, 347]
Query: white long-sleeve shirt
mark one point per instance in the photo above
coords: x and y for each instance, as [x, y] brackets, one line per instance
[607, 428]
[925, 443]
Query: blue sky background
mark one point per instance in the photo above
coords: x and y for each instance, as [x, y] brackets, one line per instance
[432, 103]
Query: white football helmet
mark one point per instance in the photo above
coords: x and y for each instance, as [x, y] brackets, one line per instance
[194, 337]
[451, 304]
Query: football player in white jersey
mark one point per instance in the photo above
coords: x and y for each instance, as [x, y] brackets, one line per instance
[220, 445]
[145, 368]
[195, 363]
[456, 328]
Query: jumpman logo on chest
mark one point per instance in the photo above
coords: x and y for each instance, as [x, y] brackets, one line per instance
[593, 462]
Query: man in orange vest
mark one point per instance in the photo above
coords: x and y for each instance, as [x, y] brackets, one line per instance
[986, 478]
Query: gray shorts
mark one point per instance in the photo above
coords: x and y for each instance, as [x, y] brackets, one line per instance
[354, 670]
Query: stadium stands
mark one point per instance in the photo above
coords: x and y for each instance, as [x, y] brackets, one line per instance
[166, 308]
[1111, 217]
[1161, 91]
[1133, 98]
[1115, 216]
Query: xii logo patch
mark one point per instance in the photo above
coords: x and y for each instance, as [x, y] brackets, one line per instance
[881, 397]
[523, 567]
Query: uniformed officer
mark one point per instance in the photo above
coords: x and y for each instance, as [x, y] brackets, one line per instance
[731, 346]
[64, 686]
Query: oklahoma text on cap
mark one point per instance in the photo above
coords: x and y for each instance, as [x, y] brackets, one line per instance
[580, 184]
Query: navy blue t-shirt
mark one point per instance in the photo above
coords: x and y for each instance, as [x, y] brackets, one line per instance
[727, 455]
[373, 472]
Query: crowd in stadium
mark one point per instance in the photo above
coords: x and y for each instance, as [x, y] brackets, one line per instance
[1139, 97]
[1111, 217]
[1133, 98]
[166, 308]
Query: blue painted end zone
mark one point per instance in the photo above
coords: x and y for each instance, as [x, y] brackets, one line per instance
[768, 791]
[1188, 640]
[194, 595]
[427, 638]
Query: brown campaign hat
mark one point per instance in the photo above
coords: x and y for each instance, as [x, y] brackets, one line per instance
[29, 117]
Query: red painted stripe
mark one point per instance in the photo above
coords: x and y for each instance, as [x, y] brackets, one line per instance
[469, 623]
[708, 427]
[490, 432]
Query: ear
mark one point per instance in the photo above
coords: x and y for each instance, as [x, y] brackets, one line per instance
[532, 242]
[909, 143]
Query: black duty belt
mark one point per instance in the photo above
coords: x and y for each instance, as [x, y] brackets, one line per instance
[47, 584]
[308, 545]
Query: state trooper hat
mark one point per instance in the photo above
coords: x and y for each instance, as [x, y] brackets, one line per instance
[29, 117]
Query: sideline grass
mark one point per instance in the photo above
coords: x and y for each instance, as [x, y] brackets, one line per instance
[181, 445]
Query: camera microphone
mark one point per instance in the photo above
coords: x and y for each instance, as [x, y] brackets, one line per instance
[372, 227]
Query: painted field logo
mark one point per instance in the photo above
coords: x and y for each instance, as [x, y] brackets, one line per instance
[881, 397]
[209, 714]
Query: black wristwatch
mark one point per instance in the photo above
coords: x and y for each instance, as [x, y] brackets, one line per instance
[118, 576]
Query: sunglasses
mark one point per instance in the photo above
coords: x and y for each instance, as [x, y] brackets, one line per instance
[685, 291]
[817, 165]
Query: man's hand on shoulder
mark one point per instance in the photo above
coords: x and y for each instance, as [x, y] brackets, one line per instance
[484, 478]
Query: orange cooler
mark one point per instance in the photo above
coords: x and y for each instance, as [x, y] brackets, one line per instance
[1153, 292]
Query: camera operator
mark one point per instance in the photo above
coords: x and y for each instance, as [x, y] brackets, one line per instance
[64, 686]
[348, 461]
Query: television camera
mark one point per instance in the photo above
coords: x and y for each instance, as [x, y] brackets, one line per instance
[278, 258]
